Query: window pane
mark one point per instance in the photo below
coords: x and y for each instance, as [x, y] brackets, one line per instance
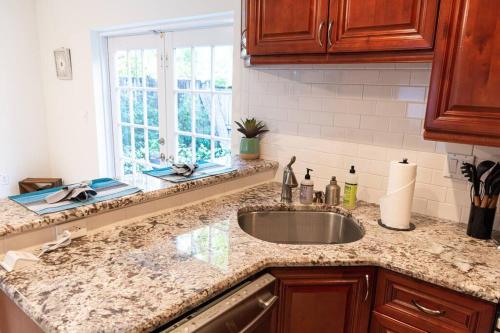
[203, 150]
[202, 67]
[124, 106]
[138, 96]
[222, 152]
[126, 141]
[184, 105]
[121, 68]
[153, 109]
[154, 146]
[127, 168]
[140, 152]
[222, 116]
[135, 67]
[223, 69]
[183, 68]
[184, 151]
[151, 68]
[203, 115]
[139, 168]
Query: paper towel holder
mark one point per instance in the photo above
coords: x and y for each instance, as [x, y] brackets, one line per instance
[380, 223]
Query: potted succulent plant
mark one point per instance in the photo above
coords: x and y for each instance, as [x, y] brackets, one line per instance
[250, 145]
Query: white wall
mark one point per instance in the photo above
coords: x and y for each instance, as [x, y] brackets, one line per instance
[71, 113]
[334, 116]
[23, 144]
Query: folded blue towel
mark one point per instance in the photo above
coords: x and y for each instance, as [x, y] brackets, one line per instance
[204, 169]
[106, 188]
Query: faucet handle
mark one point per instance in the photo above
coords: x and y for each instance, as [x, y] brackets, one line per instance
[292, 160]
[290, 180]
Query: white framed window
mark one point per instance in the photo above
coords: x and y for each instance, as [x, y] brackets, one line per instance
[171, 98]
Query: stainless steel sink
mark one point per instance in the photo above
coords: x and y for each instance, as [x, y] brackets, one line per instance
[300, 227]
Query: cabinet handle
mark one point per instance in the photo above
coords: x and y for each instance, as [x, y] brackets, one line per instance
[427, 310]
[320, 30]
[329, 35]
[367, 279]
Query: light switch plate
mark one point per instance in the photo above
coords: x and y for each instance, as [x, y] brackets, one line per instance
[4, 180]
[452, 165]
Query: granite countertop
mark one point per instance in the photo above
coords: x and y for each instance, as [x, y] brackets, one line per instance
[15, 218]
[136, 277]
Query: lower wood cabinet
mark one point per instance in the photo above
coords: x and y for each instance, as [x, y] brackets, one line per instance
[383, 324]
[327, 300]
[403, 304]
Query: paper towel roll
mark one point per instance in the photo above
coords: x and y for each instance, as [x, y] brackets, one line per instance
[395, 207]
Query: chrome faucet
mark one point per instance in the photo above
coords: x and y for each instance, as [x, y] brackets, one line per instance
[289, 182]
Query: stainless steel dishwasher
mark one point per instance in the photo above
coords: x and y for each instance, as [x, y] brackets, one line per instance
[246, 309]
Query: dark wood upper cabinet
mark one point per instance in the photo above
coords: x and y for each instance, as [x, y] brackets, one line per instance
[464, 93]
[338, 31]
[381, 25]
[286, 26]
[327, 300]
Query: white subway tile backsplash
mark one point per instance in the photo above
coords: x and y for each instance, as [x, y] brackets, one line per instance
[402, 125]
[416, 111]
[409, 94]
[321, 118]
[310, 130]
[310, 103]
[350, 91]
[346, 120]
[388, 139]
[329, 90]
[299, 116]
[391, 109]
[431, 160]
[332, 116]
[420, 77]
[416, 142]
[359, 76]
[312, 76]
[335, 133]
[378, 92]
[374, 123]
[395, 77]
[443, 210]
[430, 192]
[359, 135]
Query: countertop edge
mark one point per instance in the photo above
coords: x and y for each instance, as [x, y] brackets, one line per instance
[244, 169]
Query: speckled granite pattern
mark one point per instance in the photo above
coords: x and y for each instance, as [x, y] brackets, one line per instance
[14, 218]
[136, 277]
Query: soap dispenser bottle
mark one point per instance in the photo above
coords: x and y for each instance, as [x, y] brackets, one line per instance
[332, 193]
[350, 189]
[307, 189]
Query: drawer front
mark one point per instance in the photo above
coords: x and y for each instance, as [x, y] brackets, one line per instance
[426, 306]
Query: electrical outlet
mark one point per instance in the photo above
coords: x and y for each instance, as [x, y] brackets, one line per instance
[452, 165]
[77, 229]
[4, 180]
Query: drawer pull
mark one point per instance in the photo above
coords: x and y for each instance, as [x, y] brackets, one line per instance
[320, 33]
[427, 310]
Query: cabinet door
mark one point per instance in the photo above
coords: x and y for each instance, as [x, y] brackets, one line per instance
[329, 300]
[464, 93]
[384, 324]
[381, 25]
[286, 26]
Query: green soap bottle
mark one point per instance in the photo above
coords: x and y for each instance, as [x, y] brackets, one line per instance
[350, 189]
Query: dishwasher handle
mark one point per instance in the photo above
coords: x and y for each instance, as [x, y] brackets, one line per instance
[267, 306]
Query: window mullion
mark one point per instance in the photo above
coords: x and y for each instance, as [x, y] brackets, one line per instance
[212, 104]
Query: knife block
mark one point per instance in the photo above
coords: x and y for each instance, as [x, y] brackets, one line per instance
[481, 222]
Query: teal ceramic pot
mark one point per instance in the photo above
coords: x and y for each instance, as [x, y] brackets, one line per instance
[249, 148]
